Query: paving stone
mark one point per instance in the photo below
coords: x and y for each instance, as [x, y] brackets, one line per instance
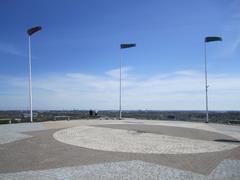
[14, 132]
[128, 170]
[42, 157]
[119, 140]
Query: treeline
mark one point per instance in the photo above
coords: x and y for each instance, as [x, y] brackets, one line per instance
[214, 116]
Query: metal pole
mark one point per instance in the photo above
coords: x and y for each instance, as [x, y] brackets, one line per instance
[206, 81]
[120, 88]
[30, 77]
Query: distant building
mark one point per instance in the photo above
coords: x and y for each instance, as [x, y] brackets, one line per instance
[27, 115]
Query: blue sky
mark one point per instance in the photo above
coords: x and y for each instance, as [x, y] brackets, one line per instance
[76, 56]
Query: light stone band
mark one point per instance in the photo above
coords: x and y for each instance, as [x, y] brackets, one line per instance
[117, 140]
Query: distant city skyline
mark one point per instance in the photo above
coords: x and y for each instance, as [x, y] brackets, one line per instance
[76, 55]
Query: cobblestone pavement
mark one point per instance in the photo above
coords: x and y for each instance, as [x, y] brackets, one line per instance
[119, 140]
[14, 132]
[227, 169]
[30, 151]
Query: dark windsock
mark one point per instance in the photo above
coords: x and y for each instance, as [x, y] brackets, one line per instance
[213, 38]
[123, 46]
[31, 31]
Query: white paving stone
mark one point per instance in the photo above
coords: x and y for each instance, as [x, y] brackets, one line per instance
[128, 170]
[227, 169]
[14, 132]
[119, 140]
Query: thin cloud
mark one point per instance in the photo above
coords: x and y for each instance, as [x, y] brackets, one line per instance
[10, 49]
[115, 72]
[182, 89]
[231, 45]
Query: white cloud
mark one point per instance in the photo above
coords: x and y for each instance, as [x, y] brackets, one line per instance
[115, 72]
[231, 47]
[10, 49]
[178, 90]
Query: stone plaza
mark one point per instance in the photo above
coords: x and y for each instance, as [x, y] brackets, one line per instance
[119, 149]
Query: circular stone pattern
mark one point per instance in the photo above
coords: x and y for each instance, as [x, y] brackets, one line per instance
[119, 140]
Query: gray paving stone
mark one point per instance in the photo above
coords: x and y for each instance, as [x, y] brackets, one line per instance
[129, 170]
[14, 132]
